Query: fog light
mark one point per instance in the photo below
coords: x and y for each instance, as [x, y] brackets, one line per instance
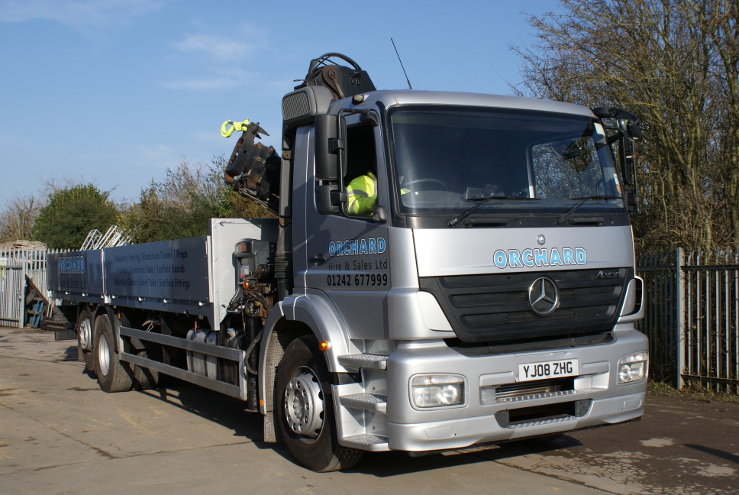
[437, 390]
[633, 367]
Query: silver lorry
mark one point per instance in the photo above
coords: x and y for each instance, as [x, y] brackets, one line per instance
[490, 296]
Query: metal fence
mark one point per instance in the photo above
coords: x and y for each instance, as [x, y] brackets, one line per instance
[16, 263]
[692, 318]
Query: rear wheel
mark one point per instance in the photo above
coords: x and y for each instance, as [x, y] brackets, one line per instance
[305, 414]
[113, 375]
[84, 340]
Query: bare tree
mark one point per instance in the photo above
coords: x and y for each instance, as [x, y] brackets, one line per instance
[181, 204]
[17, 218]
[676, 64]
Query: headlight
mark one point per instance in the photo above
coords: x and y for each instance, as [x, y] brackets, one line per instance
[437, 390]
[633, 367]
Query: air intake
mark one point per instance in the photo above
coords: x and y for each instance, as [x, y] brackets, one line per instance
[302, 106]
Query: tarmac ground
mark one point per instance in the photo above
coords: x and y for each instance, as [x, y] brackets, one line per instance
[60, 434]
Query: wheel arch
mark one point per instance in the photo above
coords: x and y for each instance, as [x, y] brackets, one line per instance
[291, 318]
[81, 307]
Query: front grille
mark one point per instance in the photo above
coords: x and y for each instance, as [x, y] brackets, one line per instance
[486, 320]
[495, 308]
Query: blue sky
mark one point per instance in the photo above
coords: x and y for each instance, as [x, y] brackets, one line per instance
[114, 92]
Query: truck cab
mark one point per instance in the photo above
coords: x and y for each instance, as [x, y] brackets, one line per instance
[489, 296]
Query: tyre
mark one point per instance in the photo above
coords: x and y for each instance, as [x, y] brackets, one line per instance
[84, 340]
[305, 410]
[113, 375]
[145, 378]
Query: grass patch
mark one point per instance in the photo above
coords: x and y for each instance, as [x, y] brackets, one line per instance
[690, 393]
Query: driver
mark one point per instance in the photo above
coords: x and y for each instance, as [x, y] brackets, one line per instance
[361, 195]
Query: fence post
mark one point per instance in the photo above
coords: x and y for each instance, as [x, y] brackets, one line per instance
[23, 257]
[680, 316]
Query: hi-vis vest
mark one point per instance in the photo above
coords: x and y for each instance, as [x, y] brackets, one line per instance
[361, 195]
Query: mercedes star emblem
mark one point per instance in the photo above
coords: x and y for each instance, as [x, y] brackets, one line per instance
[543, 296]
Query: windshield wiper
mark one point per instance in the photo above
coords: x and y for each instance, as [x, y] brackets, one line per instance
[569, 212]
[480, 201]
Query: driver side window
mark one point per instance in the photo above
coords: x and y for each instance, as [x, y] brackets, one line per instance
[360, 179]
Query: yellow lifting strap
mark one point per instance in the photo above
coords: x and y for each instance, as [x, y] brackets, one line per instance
[226, 131]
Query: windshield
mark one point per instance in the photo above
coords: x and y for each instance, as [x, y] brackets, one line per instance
[448, 160]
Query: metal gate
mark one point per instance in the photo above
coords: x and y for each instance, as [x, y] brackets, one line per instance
[12, 298]
[692, 317]
[19, 262]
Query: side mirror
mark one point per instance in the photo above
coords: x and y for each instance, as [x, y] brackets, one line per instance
[628, 132]
[632, 205]
[631, 129]
[330, 146]
[329, 198]
[327, 147]
[627, 160]
[628, 123]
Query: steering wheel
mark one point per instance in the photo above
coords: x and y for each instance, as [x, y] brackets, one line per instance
[437, 182]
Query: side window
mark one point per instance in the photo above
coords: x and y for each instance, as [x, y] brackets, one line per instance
[361, 170]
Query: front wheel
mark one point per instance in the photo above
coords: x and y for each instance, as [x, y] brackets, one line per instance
[113, 375]
[305, 412]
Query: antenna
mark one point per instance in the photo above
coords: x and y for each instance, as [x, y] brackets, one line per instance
[401, 64]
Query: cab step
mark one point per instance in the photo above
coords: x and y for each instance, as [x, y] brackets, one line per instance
[371, 443]
[367, 402]
[364, 361]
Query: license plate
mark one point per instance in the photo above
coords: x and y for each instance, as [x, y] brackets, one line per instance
[548, 369]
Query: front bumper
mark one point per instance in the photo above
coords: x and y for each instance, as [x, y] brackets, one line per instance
[593, 397]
